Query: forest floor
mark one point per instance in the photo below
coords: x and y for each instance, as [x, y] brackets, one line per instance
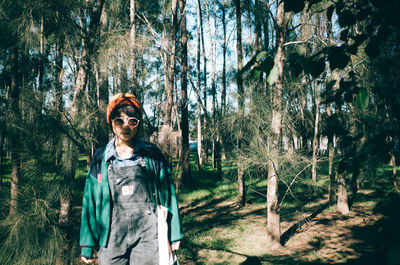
[218, 231]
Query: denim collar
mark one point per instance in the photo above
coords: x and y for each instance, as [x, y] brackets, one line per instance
[111, 153]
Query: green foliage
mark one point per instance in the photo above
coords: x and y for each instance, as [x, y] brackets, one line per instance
[32, 236]
[362, 99]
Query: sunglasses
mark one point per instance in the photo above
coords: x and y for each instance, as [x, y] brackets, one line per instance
[133, 122]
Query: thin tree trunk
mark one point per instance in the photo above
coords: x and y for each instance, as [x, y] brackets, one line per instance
[214, 136]
[223, 92]
[354, 183]
[69, 162]
[273, 211]
[132, 16]
[58, 100]
[239, 82]
[199, 139]
[171, 65]
[331, 157]
[102, 132]
[41, 67]
[331, 136]
[304, 139]
[394, 170]
[205, 116]
[258, 22]
[2, 141]
[185, 152]
[249, 24]
[15, 141]
[213, 90]
[59, 70]
[224, 50]
[266, 28]
[198, 72]
[315, 139]
[342, 194]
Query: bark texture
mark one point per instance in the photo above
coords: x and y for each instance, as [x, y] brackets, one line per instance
[315, 138]
[14, 135]
[239, 82]
[185, 152]
[273, 211]
[342, 196]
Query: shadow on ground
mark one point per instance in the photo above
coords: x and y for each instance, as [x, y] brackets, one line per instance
[377, 241]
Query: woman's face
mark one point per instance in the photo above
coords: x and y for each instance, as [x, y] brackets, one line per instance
[125, 127]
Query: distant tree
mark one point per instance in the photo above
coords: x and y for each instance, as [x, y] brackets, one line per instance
[241, 99]
[15, 135]
[199, 26]
[184, 102]
[169, 36]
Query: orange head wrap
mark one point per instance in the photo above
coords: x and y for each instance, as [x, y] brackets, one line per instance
[122, 99]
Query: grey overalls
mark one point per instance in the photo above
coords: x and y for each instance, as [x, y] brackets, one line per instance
[133, 236]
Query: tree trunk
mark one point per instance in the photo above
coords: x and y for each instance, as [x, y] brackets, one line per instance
[315, 139]
[102, 131]
[185, 152]
[394, 170]
[332, 183]
[133, 82]
[258, 22]
[266, 28]
[241, 185]
[198, 73]
[169, 43]
[273, 214]
[213, 89]
[223, 92]
[14, 136]
[171, 65]
[69, 163]
[257, 28]
[2, 141]
[239, 82]
[331, 136]
[205, 116]
[58, 101]
[303, 133]
[342, 197]
[354, 183]
[59, 74]
[41, 68]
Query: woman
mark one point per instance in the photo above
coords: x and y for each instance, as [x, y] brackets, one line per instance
[126, 180]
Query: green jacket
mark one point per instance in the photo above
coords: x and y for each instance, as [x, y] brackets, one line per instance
[96, 205]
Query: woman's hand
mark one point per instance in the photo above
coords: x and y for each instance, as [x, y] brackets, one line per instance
[86, 260]
[175, 245]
